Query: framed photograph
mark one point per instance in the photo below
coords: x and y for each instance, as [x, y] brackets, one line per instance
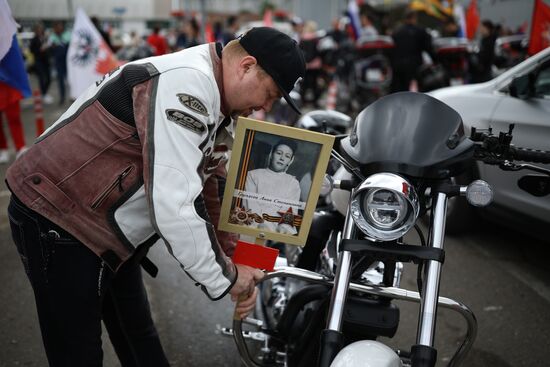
[273, 182]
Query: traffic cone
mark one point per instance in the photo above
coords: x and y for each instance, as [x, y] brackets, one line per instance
[38, 112]
[331, 95]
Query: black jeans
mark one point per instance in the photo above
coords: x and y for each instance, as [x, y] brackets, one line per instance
[44, 77]
[74, 291]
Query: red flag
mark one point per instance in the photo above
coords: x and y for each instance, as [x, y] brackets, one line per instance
[540, 28]
[472, 19]
[268, 18]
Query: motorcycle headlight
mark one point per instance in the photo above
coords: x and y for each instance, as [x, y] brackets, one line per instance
[384, 206]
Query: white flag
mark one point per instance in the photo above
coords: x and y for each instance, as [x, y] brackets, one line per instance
[89, 57]
[8, 27]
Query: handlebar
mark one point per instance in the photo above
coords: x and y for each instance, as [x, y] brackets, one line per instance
[530, 155]
[498, 150]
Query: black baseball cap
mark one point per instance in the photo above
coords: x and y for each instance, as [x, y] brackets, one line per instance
[279, 55]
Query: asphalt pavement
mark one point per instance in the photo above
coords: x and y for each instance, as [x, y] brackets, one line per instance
[501, 274]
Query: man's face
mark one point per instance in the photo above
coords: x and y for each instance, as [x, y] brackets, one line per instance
[257, 91]
[281, 157]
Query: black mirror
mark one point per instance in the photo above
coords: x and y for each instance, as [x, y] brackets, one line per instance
[522, 87]
[536, 185]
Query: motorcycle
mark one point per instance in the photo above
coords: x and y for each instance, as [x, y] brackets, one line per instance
[397, 165]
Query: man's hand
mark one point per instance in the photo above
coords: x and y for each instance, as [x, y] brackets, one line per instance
[244, 290]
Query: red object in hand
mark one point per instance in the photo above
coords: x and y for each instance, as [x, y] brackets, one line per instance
[256, 256]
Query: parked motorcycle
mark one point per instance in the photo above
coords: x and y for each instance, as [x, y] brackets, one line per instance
[398, 162]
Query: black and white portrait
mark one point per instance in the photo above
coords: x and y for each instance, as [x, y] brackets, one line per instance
[275, 182]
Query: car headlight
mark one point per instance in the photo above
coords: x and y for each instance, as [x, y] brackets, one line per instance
[384, 206]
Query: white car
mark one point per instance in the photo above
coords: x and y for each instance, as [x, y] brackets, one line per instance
[521, 96]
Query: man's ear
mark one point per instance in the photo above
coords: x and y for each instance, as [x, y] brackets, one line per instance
[246, 64]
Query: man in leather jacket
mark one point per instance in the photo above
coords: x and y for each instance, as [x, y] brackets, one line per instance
[128, 164]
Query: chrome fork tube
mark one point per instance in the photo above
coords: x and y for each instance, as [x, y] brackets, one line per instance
[432, 274]
[341, 281]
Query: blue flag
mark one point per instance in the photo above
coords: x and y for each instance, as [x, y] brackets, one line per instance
[12, 70]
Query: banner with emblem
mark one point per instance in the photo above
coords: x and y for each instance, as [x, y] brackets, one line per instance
[274, 180]
[89, 57]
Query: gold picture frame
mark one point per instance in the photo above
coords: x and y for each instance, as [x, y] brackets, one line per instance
[273, 181]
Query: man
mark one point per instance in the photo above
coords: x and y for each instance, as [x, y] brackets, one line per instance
[231, 28]
[484, 59]
[125, 166]
[410, 41]
[40, 50]
[59, 41]
[158, 42]
[273, 181]
[105, 35]
[367, 31]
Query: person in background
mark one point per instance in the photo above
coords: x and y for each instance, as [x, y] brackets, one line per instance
[106, 36]
[217, 30]
[14, 86]
[410, 41]
[230, 31]
[171, 39]
[297, 28]
[135, 40]
[450, 28]
[181, 39]
[158, 42]
[311, 91]
[367, 28]
[192, 31]
[59, 44]
[483, 62]
[41, 53]
[11, 109]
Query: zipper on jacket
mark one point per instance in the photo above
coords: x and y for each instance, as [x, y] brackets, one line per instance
[116, 183]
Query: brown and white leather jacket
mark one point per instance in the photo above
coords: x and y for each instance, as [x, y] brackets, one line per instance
[126, 164]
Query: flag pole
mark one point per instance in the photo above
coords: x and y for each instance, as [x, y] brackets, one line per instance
[203, 22]
[70, 8]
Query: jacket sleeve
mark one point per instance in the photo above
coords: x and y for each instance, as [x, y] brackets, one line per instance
[179, 141]
[213, 193]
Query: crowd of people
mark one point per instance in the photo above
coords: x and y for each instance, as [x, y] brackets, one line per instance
[413, 48]
[47, 51]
